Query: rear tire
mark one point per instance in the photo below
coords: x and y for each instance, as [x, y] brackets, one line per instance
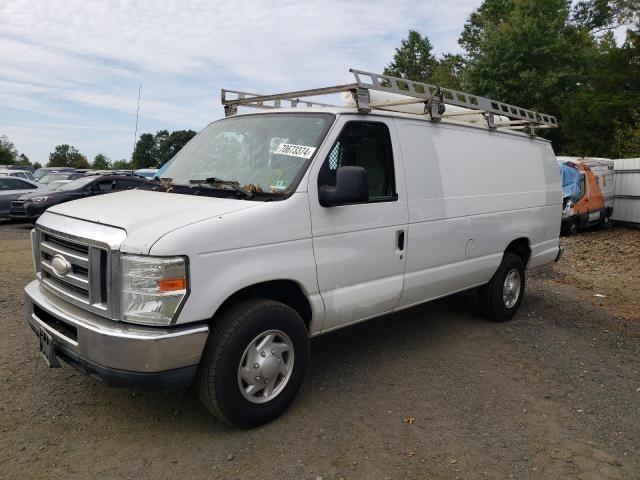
[502, 296]
[254, 363]
[570, 228]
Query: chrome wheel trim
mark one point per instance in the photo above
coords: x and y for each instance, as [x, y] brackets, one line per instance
[511, 288]
[266, 366]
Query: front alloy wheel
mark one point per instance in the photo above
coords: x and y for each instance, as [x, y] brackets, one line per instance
[254, 362]
[266, 366]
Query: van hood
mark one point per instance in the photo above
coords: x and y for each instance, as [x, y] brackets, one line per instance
[148, 215]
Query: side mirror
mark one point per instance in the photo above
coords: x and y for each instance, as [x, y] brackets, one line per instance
[352, 186]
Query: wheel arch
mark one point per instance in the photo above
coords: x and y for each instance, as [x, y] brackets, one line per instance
[521, 247]
[288, 292]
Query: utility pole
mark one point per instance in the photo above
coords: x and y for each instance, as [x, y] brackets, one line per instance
[135, 135]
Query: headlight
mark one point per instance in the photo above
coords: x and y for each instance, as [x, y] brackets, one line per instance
[153, 288]
[40, 199]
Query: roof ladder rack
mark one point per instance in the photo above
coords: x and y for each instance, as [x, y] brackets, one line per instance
[256, 100]
[433, 97]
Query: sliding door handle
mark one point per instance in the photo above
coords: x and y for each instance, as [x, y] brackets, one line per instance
[400, 240]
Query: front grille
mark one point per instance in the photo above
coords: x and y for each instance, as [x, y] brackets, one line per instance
[84, 278]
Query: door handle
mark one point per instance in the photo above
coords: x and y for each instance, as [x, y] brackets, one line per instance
[400, 240]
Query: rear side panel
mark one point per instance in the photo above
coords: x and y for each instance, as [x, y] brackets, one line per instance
[471, 192]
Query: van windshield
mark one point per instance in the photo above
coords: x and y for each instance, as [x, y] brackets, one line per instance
[266, 153]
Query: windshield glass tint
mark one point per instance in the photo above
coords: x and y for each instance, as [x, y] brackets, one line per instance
[263, 153]
[52, 177]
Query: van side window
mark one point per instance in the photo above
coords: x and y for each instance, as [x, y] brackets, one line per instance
[367, 145]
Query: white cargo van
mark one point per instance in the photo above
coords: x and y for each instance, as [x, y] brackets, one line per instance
[270, 228]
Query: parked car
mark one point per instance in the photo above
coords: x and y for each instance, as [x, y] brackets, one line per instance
[17, 173]
[31, 206]
[27, 168]
[221, 278]
[41, 172]
[11, 188]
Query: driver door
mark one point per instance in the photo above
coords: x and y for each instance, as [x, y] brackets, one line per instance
[360, 249]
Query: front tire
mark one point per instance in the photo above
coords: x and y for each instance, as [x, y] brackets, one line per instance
[254, 363]
[502, 296]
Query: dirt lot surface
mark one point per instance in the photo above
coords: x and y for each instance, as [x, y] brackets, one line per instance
[435, 392]
[605, 264]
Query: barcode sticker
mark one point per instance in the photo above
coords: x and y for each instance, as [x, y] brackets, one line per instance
[294, 150]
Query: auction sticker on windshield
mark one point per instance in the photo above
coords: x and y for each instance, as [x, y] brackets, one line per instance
[294, 150]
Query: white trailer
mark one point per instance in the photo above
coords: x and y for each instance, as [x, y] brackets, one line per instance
[627, 191]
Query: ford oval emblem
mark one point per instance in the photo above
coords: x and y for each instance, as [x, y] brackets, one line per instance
[60, 265]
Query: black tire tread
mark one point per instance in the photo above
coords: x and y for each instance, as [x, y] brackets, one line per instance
[219, 336]
[490, 294]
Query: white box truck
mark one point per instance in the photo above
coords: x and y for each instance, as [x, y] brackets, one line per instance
[270, 228]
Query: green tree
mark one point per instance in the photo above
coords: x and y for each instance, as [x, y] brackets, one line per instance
[8, 152]
[122, 165]
[413, 60]
[601, 15]
[145, 153]
[532, 58]
[488, 17]
[160, 137]
[67, 156]
[171, 144]
[37, 165]
[529, 55]
[450, 72]
[101, 162]
[23, 160]
[626, 138]
[603, 107]
[552, 56]
[153, 151]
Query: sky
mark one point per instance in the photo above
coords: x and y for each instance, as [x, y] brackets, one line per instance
[70, 70]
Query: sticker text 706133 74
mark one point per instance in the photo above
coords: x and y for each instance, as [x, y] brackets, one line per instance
[301, 151]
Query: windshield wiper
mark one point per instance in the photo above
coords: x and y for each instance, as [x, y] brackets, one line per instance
[214, 181]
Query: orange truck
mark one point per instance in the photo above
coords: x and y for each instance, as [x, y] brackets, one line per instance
[587, 192]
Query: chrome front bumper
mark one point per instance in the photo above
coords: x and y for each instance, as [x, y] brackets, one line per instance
[116, 353]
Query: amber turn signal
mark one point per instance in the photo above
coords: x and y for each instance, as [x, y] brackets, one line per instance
[172, 284]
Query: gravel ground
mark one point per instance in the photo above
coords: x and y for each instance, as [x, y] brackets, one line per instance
[432, 392]
[605, 264]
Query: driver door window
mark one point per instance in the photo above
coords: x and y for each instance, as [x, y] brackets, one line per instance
[367, 145]
[10, 183]
[103, 186]
[583, 187]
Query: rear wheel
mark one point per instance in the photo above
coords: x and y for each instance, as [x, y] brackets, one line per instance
[502, 296]
[570, 228]
[254, 363]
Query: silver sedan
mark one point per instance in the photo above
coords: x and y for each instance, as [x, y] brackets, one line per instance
[11, 188]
